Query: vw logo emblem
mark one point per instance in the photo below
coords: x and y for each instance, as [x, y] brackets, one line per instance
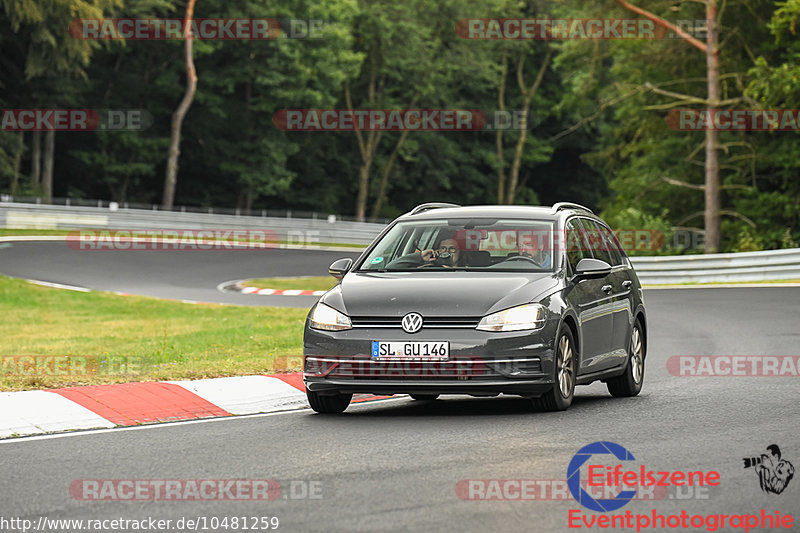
[412, 322]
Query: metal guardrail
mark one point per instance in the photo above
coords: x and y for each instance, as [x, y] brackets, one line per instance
[210, 210]
[709, 268]
[735, 267]
[293, 230]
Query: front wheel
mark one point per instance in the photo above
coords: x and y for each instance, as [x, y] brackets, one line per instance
[328, 404]
[630, 382]
[560, 396]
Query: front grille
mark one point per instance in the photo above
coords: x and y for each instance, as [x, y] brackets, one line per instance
[467, 322]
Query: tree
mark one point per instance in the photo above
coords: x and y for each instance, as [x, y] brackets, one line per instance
[171, 178]
[50, 58]
[711, 51]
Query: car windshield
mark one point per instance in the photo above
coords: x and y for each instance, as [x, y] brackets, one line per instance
[479, 244]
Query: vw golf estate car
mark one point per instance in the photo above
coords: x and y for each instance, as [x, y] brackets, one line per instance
[480, 300]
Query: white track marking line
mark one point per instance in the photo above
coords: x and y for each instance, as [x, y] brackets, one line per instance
[181, 422]
[58, 285]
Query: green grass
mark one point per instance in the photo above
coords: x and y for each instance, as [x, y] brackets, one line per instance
[322, 283]
[163, 339]
[5, 232]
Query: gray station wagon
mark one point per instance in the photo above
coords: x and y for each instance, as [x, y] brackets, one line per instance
[480, 300]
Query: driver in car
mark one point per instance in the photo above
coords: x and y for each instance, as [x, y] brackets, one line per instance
[445, 253]
[531, 251]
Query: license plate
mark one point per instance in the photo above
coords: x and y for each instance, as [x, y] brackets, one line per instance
[434, 351]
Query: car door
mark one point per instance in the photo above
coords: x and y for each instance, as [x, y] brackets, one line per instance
[622, 284]
[595, 318]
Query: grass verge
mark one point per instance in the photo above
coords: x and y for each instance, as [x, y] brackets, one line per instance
[115, 339]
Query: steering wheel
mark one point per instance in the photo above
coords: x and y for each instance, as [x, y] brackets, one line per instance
[523, 257]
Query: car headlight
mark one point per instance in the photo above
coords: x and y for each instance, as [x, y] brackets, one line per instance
[328, 318]
[522, 317]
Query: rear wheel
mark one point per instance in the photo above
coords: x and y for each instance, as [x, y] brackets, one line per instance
[328, 404]
[630, 382]
[560, 396]
[424, 397]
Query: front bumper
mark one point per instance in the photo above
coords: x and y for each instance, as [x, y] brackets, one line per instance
[480, 364]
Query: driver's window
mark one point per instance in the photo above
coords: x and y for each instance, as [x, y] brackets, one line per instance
[594, 238]
[576, 249]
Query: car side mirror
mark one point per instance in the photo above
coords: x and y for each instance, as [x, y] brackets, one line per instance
[591, 269]
[340, 267]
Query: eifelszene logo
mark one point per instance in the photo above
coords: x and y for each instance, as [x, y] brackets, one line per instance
[773, 472]
[595, 457]
[574, 476]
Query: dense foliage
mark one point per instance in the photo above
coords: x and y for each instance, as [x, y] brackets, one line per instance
[596, 131]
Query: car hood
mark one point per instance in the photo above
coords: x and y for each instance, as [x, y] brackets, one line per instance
[437, 293]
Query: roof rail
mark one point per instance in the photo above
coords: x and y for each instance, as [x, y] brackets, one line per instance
[431, 205]
[569, 205]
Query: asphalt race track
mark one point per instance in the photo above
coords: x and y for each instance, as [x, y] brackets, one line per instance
[394, 465]
[175, 274]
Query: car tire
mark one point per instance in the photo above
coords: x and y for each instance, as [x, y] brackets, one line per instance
[560, 396]
[629, 383]
[424, 397]
[328, 404]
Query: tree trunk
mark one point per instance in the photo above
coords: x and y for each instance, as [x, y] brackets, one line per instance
[363, 187]
[387, 169]
[712, 191]
[527, 94]
[36, 160]
[369, 148]
[501, 104]
[171, 178]
[511, 191]
[17, 163]
[366, 149]
[47, 165]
